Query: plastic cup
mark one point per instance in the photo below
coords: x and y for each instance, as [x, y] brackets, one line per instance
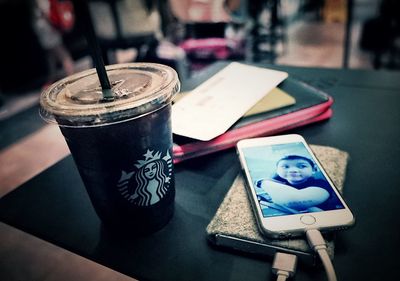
[122, 148]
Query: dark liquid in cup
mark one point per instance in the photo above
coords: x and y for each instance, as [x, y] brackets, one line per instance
[127, 169]
[122, 146]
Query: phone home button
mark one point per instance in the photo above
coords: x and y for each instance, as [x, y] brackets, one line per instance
[307, 219]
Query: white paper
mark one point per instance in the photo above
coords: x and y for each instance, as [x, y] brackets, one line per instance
[215, 105]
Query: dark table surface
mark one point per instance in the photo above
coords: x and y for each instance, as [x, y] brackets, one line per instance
[54, 205]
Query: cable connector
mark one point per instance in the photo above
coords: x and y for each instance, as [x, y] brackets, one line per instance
[284, 265]
[318, 244]
[315, 239]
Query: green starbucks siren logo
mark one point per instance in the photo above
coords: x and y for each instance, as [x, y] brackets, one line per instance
[147, 184]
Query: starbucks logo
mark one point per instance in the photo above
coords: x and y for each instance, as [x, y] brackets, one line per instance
[149, 182]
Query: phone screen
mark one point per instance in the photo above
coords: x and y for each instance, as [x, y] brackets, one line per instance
[287, 180]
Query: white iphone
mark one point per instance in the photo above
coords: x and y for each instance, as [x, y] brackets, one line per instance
[289, 190]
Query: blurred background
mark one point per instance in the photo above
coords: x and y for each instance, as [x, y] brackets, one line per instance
[43, 41]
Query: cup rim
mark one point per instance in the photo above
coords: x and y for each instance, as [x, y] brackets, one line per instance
[119, 110]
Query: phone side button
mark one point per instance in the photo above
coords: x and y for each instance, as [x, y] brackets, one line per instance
[307, 219]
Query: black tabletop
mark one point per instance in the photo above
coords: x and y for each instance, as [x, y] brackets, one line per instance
[54, 205]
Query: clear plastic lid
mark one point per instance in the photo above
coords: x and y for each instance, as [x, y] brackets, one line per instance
[137, 89]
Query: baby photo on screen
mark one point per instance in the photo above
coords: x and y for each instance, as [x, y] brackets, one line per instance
[288, 181]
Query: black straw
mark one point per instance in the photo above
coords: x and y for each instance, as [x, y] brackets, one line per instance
[83, 15]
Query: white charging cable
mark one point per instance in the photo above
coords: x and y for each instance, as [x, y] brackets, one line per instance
[284, 265]
[318, 244]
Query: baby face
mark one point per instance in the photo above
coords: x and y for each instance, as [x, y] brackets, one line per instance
[295, 171]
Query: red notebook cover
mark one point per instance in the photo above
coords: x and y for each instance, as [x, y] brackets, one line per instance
[312, 105]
